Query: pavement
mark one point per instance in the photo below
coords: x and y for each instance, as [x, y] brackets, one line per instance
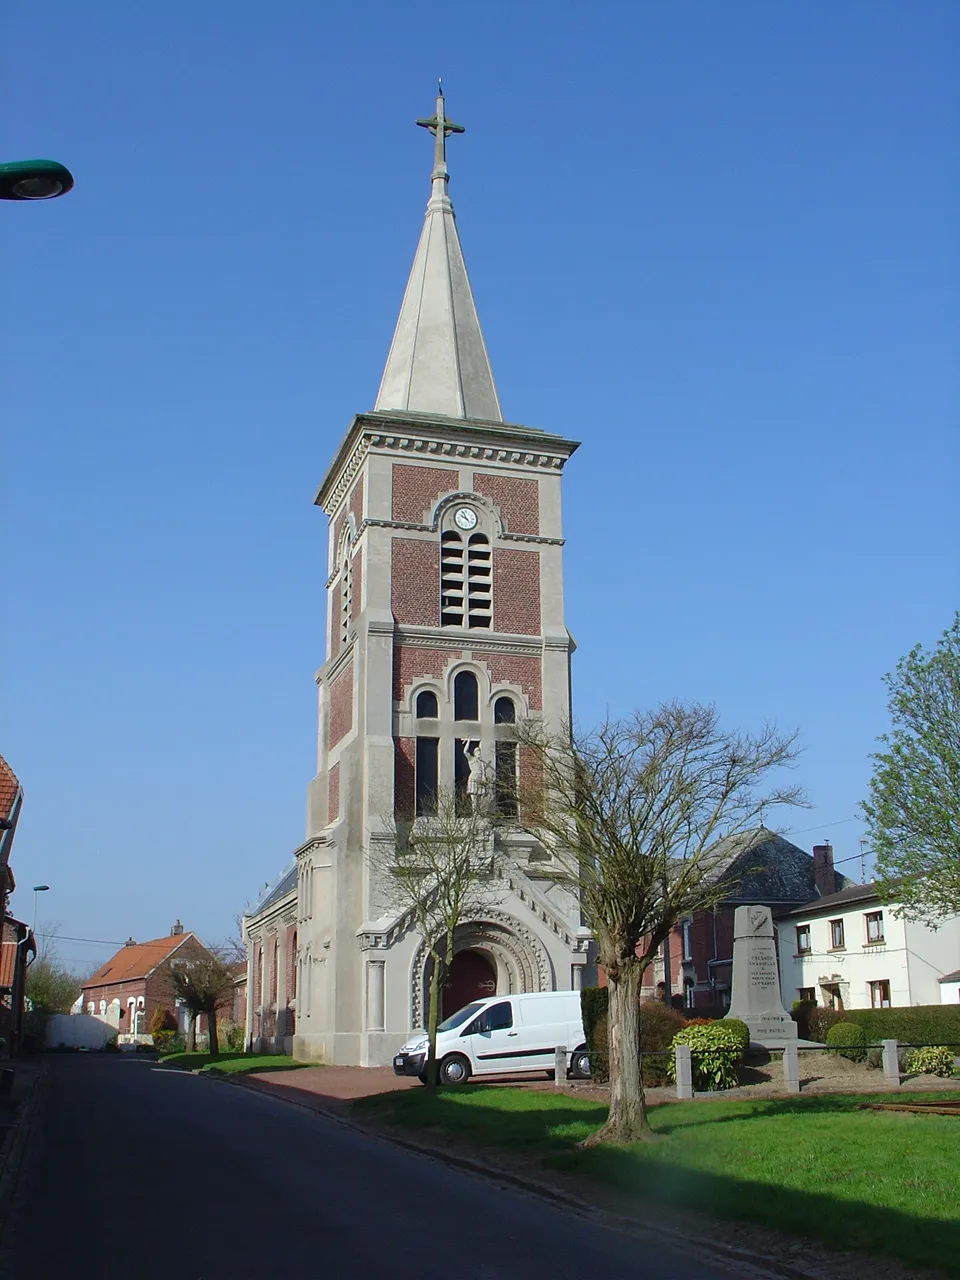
[137, 1170]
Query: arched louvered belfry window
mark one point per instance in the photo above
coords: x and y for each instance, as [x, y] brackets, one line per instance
[466, 570]
[346, 590]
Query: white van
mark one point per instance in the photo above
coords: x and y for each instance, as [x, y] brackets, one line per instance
[502, 1034]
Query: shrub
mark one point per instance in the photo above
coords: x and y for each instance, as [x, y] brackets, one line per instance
[820, 1021]
[716, 1052]
[659, 1024]
[230, 1036]
[932, 1060]
[802, 1012]
[742, 1030]
[920, 1024]
[848, 1040]
[162, 1020]
[167, 1041]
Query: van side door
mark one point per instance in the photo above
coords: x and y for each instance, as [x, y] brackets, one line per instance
[494, 1039]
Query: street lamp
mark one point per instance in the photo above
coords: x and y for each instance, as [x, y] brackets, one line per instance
[34, 180]
[37, 890]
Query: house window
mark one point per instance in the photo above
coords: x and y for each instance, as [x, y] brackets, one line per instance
[687, 942]
[276, 970]
[880, 994]
[874, 921]
[803, 939]
[836, 935]
[425, 776]
[807, 994]
[689, 996]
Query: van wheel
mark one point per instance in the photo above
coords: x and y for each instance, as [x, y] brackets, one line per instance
[454, 1069]
[580, 1064]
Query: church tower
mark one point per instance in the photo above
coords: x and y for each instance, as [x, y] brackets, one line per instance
[445, 627]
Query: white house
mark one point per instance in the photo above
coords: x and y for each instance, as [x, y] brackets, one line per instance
[850, 951]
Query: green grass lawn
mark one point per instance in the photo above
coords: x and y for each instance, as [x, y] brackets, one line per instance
[884, 1182]
[233, 1063]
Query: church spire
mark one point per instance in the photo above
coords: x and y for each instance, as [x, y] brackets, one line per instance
[438, 362]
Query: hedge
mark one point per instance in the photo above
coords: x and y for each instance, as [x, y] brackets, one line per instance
[919, 1024]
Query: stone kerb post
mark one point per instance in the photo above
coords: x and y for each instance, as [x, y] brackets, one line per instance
[891, 1063]
[560, 1066]
[684, 1063]
[791, 1067]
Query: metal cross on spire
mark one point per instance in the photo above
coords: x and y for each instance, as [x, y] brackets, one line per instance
[441, 128]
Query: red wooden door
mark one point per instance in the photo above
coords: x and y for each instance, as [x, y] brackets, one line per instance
[472, 977]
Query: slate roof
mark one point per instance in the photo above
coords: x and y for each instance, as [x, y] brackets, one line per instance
[765, 867]
[137, 961]
[279, 889]
[951, 977]
[845, 898]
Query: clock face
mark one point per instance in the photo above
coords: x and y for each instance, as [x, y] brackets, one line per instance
[465, 518]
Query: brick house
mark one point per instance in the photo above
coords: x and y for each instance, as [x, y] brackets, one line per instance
[128, 989]
[17, 944]
[11, 802]
[695, 966]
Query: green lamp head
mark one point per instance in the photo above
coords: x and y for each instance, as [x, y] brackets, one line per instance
[34, 180]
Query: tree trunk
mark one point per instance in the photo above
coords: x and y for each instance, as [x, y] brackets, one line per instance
[192, 1033]
[627, 1120]
[212, 1033]
[432, 1019]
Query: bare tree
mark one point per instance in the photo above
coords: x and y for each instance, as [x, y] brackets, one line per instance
[202, 985]
[634, 810]
[440, 870]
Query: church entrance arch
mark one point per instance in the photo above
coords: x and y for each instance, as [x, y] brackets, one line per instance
[472, 976]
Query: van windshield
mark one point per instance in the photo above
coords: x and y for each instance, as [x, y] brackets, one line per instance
[460, 1017]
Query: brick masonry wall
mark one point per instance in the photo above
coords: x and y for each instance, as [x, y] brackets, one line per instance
[415, 490]
[415, 582]
[403, 777]
[516, 668]
[333, 793]
[341, 705]
[411, 663]
[516, 591]
[517, 499]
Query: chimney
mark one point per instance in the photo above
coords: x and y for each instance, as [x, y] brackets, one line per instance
[176, 931]
[130, 942]
[823, 872]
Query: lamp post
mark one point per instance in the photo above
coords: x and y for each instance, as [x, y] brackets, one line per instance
[37, 890]
[34, 180]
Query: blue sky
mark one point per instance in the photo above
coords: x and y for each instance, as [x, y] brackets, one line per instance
[715, 243]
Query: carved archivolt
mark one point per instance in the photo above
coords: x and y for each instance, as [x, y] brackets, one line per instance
[501, 933]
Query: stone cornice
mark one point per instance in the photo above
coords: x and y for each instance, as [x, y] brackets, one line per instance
[330, 670]
[462, 639]
[409, 526]
[435, 436]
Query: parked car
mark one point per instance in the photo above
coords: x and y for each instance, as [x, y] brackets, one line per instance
[502, 1034]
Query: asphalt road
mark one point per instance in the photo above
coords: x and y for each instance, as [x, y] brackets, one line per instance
[137, 1171]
